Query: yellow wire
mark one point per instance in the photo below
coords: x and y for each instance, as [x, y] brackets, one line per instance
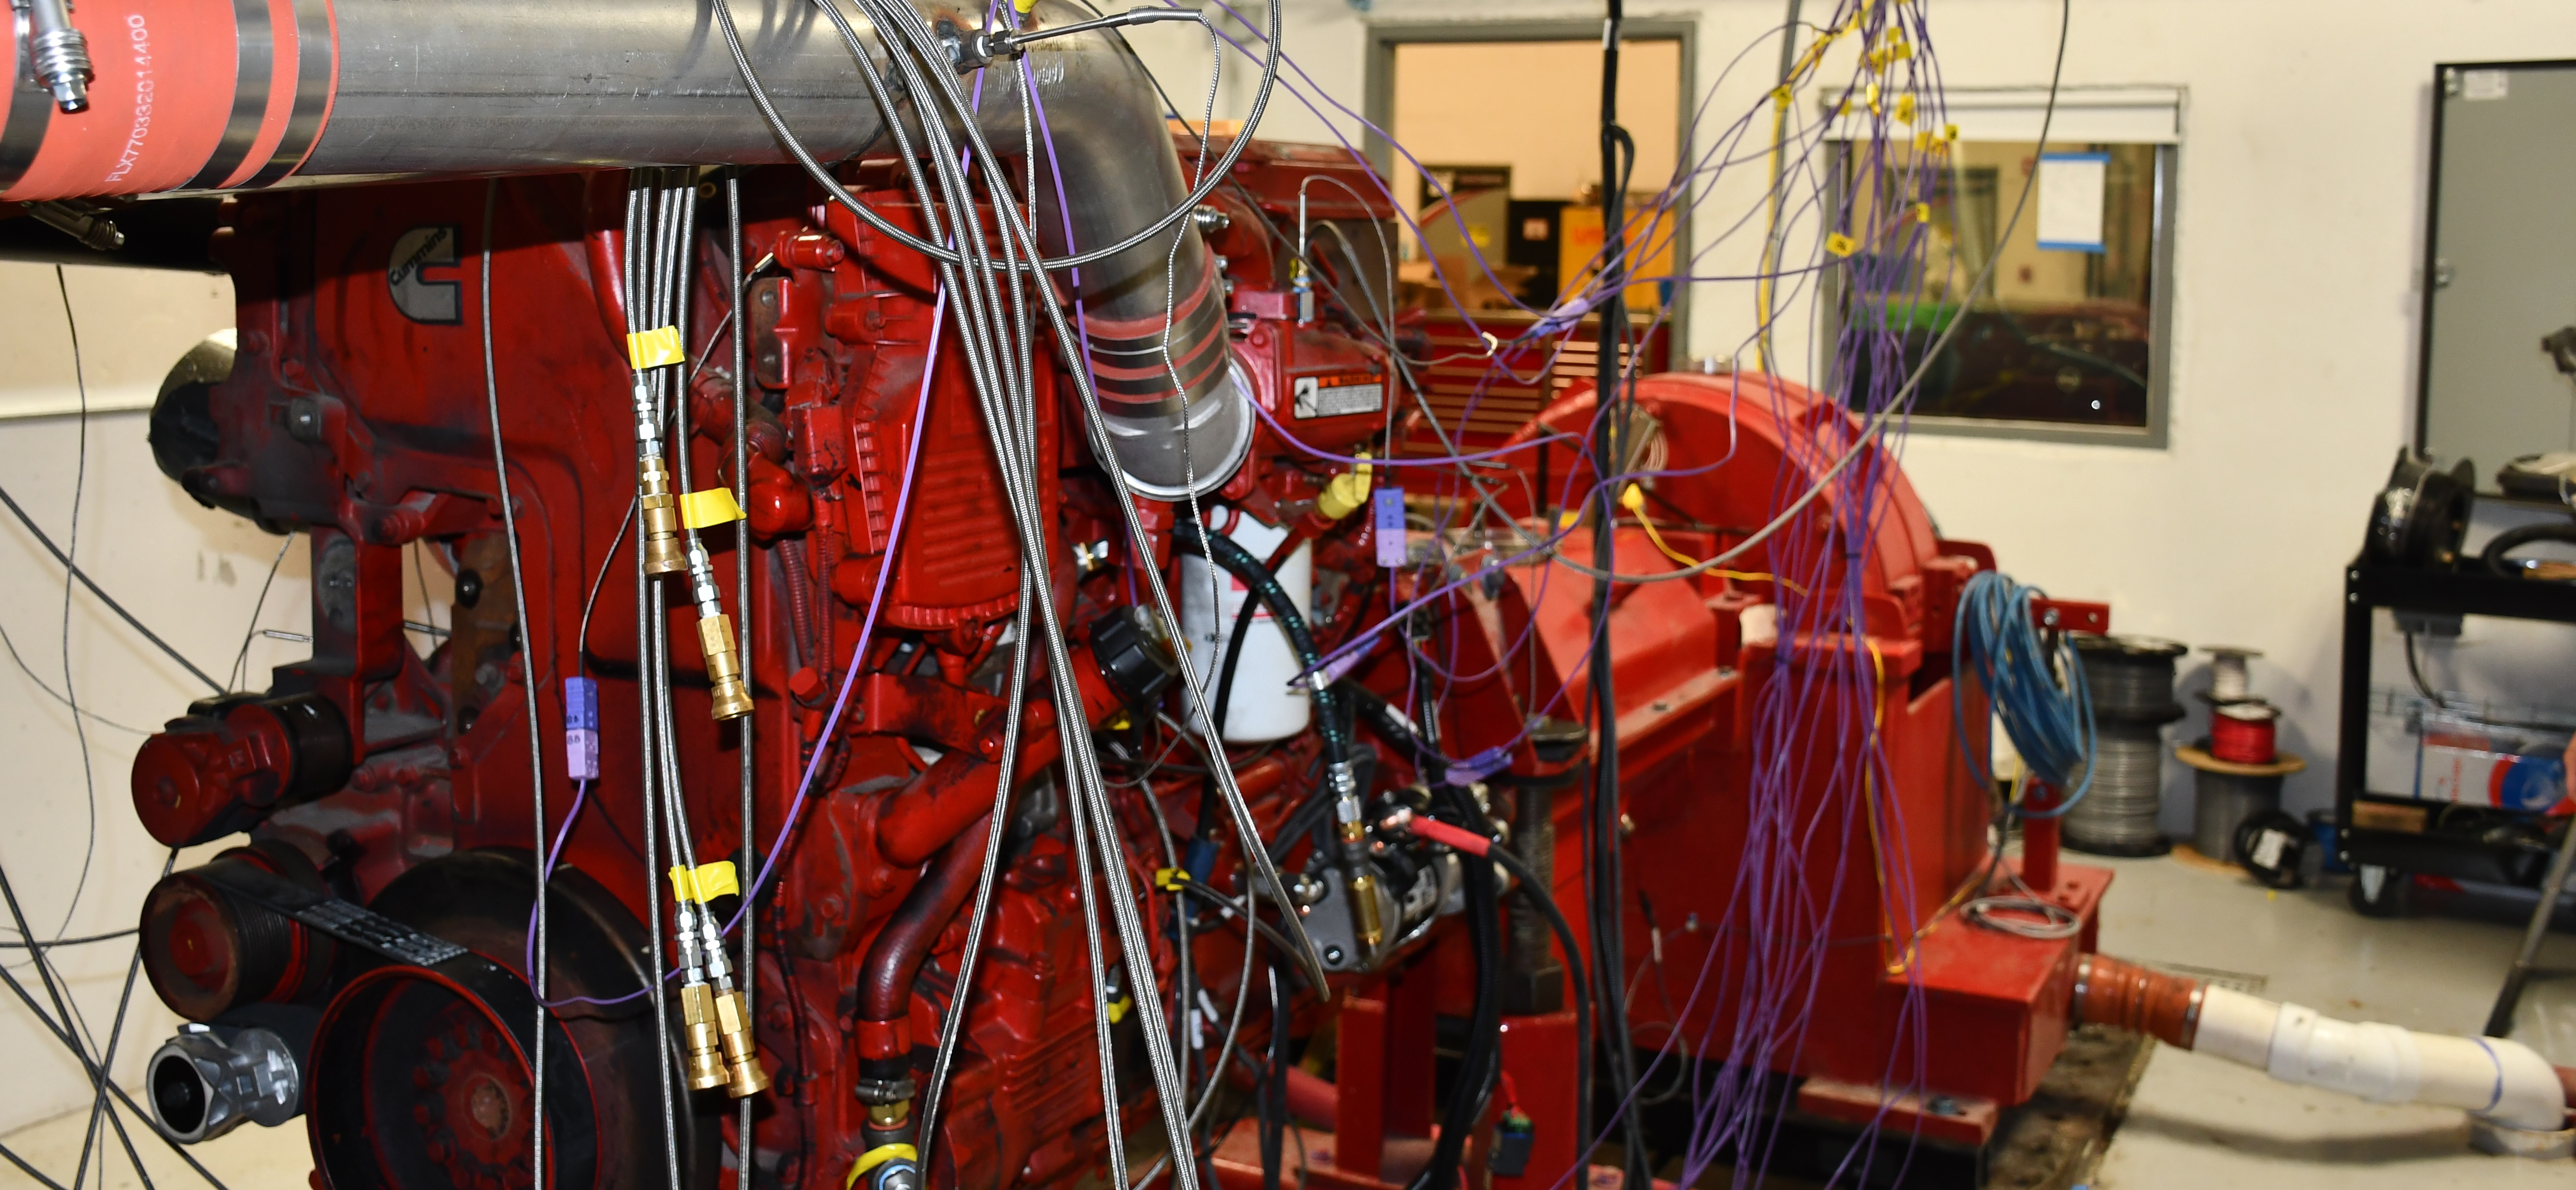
[1634, 500]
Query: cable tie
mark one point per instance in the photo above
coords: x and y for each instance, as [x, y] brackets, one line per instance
[1168, 879]
[713, 506]
[655, 348]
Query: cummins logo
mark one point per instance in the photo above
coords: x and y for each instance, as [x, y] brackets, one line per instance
[406, 275]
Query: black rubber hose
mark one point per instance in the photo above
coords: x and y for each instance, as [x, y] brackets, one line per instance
[1223, 697]
[1527, 885]
[1235, 560]
[1430, 764]
[1221, 700]
[2514, 539]
[1477, 1065]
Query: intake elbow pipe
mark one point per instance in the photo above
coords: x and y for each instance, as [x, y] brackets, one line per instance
[2501, 1083]
[207, 95]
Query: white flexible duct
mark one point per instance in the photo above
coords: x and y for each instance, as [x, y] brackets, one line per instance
[2500, 1081]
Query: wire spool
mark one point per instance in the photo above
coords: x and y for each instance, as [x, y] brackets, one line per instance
[2243, 732]
[2131, 682]
[2226, 793]
[2228, 680]
[2119, 816]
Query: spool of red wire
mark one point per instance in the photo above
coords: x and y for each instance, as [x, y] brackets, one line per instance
[2242, 732]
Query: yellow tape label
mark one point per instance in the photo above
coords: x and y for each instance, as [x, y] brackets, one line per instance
[714, 506]
[705, 882]
[655, 348]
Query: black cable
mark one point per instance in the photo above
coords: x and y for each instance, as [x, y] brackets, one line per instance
[1224, 696]
[30, 1170]
[2415, 671]
[71, 695]
[1273, 1101]
[1211, 804]
[67, 941]
[1479, 1063]
[54, 991]
[2513, 539]
[1214, 896]
[104, 597]
[1529, 887]
[1601, 825]
[250, 631]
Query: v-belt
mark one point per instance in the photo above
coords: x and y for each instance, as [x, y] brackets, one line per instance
[349, 922]
[574, 1152]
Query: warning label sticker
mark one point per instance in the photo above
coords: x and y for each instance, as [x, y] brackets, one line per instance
[1338, 394]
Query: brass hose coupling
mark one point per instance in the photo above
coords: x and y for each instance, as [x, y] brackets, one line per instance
[730, 698]
[743, 1072]
[1365, 921]
[704, 1063]
[658, 516]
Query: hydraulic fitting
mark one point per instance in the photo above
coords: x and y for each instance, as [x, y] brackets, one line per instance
[704, 1063]
[658, 515]
[1365, 921]
[731, 699]
[59, 53]
[743, 1073]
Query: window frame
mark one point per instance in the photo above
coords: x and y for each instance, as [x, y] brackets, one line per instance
[1378, 100]
[2108, 115]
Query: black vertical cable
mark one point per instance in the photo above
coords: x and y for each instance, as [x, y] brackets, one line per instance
[1609, 458]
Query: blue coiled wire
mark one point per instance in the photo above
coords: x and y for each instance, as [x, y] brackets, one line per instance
[2037, 691]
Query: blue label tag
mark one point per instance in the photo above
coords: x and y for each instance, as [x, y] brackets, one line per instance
[1388, 506]
[581, 704]
[581, 729]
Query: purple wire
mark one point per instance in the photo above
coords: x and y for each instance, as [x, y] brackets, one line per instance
[580, 793]
[876, 602]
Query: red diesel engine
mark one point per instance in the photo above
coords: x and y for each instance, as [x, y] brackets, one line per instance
[882, 835]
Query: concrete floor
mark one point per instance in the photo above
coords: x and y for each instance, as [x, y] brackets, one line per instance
[2199, 1121]
[2195, 1121]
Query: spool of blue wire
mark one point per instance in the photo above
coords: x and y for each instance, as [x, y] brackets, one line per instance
[2036, 688]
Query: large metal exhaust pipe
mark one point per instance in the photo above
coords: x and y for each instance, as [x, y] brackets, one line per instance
[241, 94]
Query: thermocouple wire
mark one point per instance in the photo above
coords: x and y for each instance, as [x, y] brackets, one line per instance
[528, 672]
[999, 387]
[742, 601]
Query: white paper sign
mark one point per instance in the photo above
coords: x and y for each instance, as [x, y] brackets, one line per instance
[2070, 201]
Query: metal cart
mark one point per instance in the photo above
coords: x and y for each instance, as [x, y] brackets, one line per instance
[2398, 834]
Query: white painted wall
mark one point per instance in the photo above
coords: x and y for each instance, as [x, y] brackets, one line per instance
[2300, 196]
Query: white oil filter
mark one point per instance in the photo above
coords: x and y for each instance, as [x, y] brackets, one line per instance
[1264, 706]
